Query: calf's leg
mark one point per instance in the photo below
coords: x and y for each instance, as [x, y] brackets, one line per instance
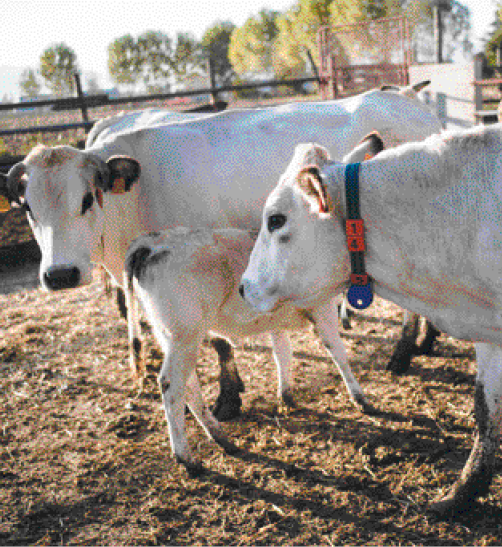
[283, 356]
[176, 369]
[204, 416]
[477, 474]
[228, 404]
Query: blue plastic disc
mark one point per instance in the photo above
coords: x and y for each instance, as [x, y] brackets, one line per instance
[360, 296]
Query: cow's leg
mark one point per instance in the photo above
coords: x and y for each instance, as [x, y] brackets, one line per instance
[424, 346]
[204, 416]
[325, 318]
[136, 363]
[178, 365]
[228, 404]
[283, 357]
[407, 345]
[477, 474]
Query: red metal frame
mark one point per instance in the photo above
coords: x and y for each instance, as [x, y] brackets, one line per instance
[334, 75]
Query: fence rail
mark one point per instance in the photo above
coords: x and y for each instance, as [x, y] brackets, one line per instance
[83, 102]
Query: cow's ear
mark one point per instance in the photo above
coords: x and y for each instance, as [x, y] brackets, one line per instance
[124, 172]
[310, 183]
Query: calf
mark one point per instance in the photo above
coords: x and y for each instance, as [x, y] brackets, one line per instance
[187, 281]
[433, 224]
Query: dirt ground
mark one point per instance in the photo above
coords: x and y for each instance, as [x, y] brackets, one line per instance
[85, 461]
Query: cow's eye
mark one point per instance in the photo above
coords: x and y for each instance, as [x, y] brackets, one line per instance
[276, 222]
[87, 203]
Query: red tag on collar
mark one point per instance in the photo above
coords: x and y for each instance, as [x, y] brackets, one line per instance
[355, 235]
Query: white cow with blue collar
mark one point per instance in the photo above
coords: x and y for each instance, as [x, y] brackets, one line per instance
[433, 225]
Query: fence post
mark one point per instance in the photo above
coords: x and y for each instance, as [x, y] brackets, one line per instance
[83, 106]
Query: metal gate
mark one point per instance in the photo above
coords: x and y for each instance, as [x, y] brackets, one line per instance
[358, 57]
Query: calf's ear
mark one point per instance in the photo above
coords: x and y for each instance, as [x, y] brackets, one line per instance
[124, 172]
[310, 183]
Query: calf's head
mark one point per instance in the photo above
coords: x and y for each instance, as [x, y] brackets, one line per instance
[62, 189]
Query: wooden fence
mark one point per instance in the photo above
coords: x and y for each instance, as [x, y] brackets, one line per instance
[83, 102]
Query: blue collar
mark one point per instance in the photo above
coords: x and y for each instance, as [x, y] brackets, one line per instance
[360, 293]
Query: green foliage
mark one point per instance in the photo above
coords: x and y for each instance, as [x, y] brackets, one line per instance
[250, 48]
[29, 83]
[58, 64]
[155, 58]
[187, 58]
[215, 44]
[124, 62]
[494, 40]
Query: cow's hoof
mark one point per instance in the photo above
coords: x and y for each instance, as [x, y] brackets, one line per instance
[228, 446]
[225, 411]
[289, 399]
[194, 468]
[365, 407]
[369, 409]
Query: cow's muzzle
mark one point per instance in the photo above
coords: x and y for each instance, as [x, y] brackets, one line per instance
[57, 278]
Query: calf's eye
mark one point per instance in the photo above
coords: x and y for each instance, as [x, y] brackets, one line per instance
[87, 202]
[276, 222]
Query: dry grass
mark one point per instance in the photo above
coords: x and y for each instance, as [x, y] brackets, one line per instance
[84, 461]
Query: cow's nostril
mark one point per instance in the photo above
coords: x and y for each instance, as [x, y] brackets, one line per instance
[57, 278]
[241, 290]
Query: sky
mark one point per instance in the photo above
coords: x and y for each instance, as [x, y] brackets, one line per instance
[89, 26]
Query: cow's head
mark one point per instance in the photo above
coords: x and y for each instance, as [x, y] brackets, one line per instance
[399, 114]
[300, 254]
[62, 191]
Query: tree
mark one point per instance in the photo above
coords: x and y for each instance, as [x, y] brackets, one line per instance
[187, 59]
[124, 61]
[298, 32]
[455, 20]
[250, 48]
[29, 83]
[215, 44]
[155, 60]
[494, 39]
[58, 64]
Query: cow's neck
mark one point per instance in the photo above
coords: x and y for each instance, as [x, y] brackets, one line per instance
[411, 258]
[121, 226]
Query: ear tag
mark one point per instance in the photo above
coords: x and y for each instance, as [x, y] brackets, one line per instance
[119, 186]
[4, 204]
[99, 197]
[367, 156]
